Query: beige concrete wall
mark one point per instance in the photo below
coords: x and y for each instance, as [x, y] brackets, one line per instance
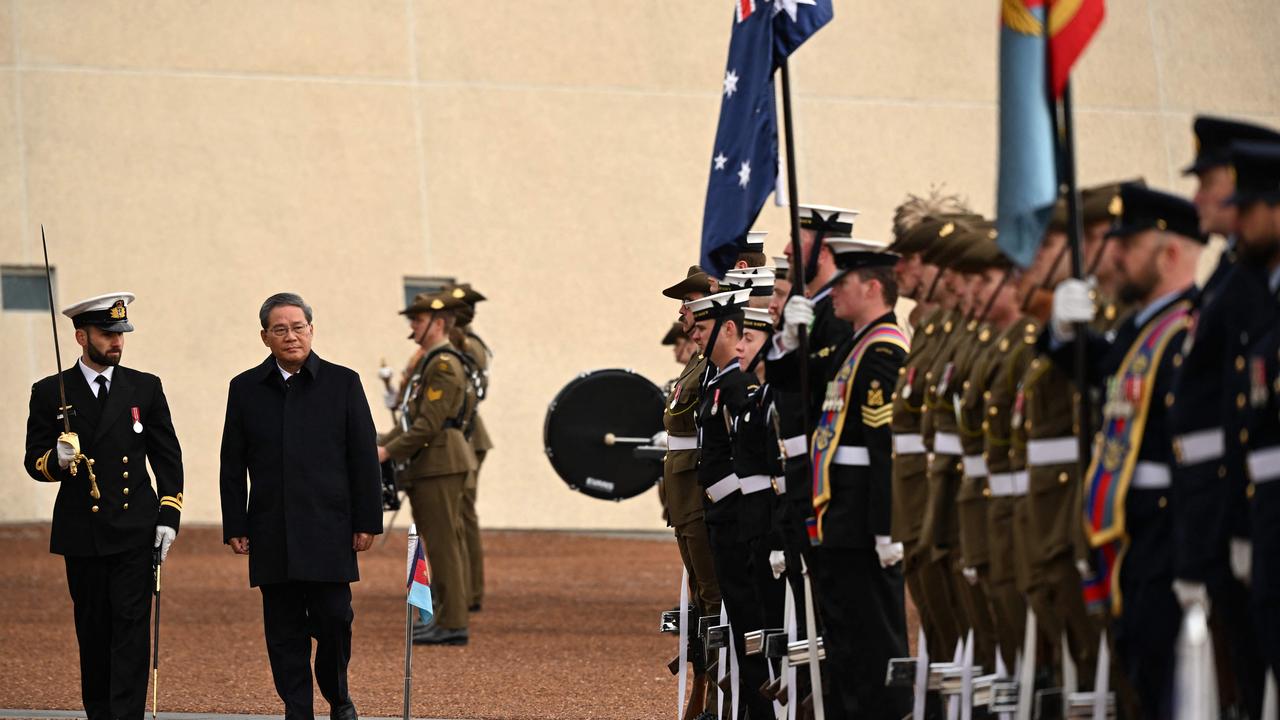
[554, 152]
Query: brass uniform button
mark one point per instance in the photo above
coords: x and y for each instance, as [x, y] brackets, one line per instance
[125, 459]
[986, 395]
[1249, 491]
[1239, 363]
[1163, 502]
[1168, 400]
[1063, 477]
[993, 411]
[1244, 437]
[1240, 401]
[126, 506]
[902, 371]
[986, 492]
[1177, 360]
[1222, 471]
[126, 475]
[986, 425]
[94, 508]
[126, 492]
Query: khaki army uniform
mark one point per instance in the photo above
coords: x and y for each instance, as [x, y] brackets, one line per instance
[939, 535]
[683, 496]
[439, 459]
[1013, 354]
[481, 444]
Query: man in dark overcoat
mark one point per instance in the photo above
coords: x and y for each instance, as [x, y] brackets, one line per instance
[301, 428]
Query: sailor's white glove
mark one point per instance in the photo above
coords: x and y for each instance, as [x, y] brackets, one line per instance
[889, 552]
[164, 538]
[1191, 593]
[797, 313]
[1072, 303]
[659, 439]
[970, 575]
[68, 448]
[1082, 567]
[777, 563]
[391, 399]
[1242, 559]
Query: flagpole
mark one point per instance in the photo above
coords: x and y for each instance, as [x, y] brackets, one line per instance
[798, 265]
[408, 624]
[1065, 141]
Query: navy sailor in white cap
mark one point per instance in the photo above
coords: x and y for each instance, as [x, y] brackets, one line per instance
[108, 518]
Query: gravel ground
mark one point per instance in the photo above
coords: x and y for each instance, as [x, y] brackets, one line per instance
[568, 630]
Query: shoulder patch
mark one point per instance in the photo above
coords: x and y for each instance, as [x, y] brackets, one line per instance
[434, 394]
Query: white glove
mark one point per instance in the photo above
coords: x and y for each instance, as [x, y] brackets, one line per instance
[1191, 593]
[797, 313]
[164, 538]
[1082, 567]
[659, 439]
[970, 575]
[777, 562]
[1242, 559]
[391, 399]
[67, 449]
[1072, 303]
[890, 552]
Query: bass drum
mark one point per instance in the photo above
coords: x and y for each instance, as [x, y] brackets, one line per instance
[597, 434]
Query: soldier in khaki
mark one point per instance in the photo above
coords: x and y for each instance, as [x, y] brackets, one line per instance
[438, 403]
[959, 413]
[465, 338]
[1048, 526]
[679, 487]
[938, 532]
[1014, 351]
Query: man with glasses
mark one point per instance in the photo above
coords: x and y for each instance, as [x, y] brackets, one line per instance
[301, 428]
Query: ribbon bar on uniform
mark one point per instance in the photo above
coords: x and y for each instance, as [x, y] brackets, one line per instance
[852, 455]
[1200, 446]
[1150, 476]
[947, 444]
[796, 446]
[677, 442]
[1053, 451]
[723, 488]
[975, 466]
[755, 483]
[1264, 464]
[1010, 484]
[908, 444]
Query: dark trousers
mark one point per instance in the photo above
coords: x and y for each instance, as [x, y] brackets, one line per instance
[112, 600]
[865, 625]
[292, 614]
[734, 570]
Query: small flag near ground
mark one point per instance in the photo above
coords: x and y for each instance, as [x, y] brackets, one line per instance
[419, 582]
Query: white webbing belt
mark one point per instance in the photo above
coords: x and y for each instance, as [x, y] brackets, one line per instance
[1009, 484]
[723, 488]
[1264, 464]
[1200, 446]
[676, 442]
[908, 444]
[947, 444]
[851, 455]
[796, 446]
[975, 466]
[1150, 476]
[1053, 451]
[755, 483]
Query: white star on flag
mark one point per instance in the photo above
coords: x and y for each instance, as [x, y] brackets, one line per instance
[720, 160]
[744, 174]
[791, 6]
[730, 83]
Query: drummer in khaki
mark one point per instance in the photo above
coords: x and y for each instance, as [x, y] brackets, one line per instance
[439, 403]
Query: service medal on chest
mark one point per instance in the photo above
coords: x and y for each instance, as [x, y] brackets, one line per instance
[137, 420]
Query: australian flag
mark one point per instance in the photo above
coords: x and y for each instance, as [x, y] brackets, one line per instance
[744, 161]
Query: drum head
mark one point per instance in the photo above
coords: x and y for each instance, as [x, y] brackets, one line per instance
[594, 405]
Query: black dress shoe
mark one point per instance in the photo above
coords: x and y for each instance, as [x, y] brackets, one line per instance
[474, 608]
[442, 636]
[345, 711]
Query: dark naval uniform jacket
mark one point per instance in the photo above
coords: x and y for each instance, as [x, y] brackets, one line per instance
[722, 398]
[310, 451]
[133, 428]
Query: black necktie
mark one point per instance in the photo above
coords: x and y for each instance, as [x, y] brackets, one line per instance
[288, 382]
[102, 390]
